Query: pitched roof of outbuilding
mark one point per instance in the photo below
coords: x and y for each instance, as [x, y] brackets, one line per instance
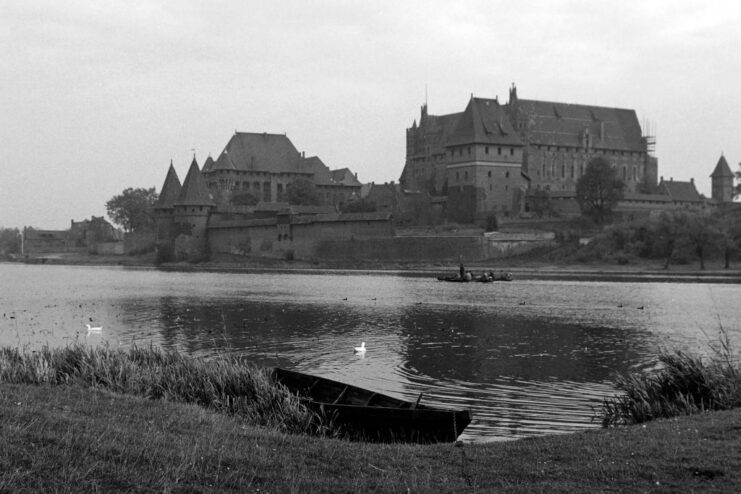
[316, 166]
[681, 191]
[483, 122]
[170, 190]
[345, 177]
[722, 169]
[564, 124]
[194, 191]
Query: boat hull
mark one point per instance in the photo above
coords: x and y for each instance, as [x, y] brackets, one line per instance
[362, 414]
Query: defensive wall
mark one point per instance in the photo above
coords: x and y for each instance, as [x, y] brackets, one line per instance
[430, 248]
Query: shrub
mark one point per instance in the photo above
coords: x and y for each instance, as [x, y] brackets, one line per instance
[683, 385]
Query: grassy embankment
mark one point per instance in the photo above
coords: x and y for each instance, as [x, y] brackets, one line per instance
[66, 426]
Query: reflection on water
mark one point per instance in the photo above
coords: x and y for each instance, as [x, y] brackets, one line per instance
[529, 358]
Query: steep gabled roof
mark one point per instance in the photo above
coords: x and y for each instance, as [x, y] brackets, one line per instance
[436, 130]
[194, 191]
[344, 176]
[316, 166]
[564, 124]
[248, 151]
[170, 189]
[681, 191]
[483, 122]
[722, 169]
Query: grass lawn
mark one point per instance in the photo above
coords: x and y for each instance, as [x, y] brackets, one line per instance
[70, 438]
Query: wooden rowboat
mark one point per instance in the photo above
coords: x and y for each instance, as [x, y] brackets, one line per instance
[365, 415]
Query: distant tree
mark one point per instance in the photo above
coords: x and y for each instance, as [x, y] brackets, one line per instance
[244, 199]
[133, 209]
[363, 205]
[599, 190]
[10, 241]
[670, 229]
[729, 236]
[701, 233]
[302, 192]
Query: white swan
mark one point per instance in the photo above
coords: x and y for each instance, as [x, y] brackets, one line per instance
[90, 329]
[359, 349]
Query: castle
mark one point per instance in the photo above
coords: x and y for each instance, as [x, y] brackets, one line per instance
[490, 157]
[236, 204]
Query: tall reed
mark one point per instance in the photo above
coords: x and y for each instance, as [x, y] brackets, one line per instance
[227, 384]
[683, 384]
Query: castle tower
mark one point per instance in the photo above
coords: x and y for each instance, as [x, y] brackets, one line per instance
[164, 217]
[722, 181]
[192, 209]
[484, 171]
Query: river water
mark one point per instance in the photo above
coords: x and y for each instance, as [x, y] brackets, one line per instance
[528, 357]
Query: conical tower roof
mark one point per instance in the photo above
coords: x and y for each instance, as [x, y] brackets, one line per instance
[208, 164]
[223, 162]
[722, 169]
[194, 191]
[170, 190]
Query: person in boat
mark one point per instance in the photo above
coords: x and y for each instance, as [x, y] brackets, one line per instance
[462, 271]
[491, 275]
[468, 276]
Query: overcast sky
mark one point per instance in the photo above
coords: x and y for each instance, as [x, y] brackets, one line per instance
[98, 96]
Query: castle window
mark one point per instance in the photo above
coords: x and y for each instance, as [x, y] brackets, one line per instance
[511, 151]
[572, 171]
[465, 174]
[563, 171]
[506, 174]
[489, 173]
[457, 176]
[469, 150]
[506, 187]
[499, 150]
